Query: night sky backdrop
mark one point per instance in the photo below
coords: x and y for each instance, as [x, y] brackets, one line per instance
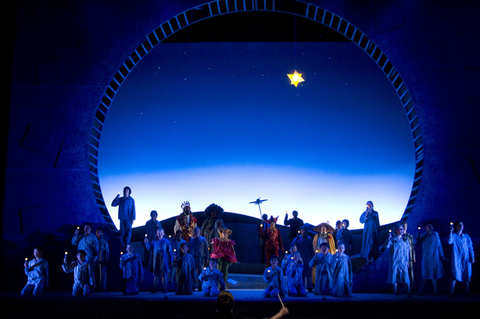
[220, 123]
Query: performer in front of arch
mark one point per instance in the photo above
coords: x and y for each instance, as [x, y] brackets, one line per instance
[185, 222]
[273, 239]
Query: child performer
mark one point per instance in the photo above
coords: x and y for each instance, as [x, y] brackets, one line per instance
[37, 273]
[399, 254]
[288, 258]
[82, 281]
[102, 260]
[160, 257]
[211, 278]
[323, 275]
[198, 248]
[344, 236]
[273, 240]
[273, 276]
[294, 272]
[176, 242]
[342, 273]
[223, 251]
[462, 257]
[185, 271]
[131, 264]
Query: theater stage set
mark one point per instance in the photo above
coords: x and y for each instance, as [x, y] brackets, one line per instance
[67, 61]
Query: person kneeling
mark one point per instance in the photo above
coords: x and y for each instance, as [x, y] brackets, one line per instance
[211, 277]
[294, 272]
[273, 276]
[82, 281]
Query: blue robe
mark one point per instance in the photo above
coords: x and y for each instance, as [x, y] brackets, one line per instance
[323, 273]
[370, 234]
[432, 253]
[211, 279]
[398, 260]
[462, 256]
[82, 281]
[274, 279]
[160, 256]
[344, 236]
[132, 272]
[342, 275]
[37, 274]
[294, 274]
[185, 274]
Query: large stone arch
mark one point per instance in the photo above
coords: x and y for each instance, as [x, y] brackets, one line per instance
[217, 8]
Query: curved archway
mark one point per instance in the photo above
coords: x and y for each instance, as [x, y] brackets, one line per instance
[223, 7]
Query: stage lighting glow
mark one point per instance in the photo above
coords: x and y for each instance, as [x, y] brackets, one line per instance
[229, 140]
[295, 78]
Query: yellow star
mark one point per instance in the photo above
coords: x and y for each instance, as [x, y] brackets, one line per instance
[295, 78]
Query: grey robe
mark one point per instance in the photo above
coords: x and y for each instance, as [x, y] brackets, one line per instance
[342, 276]
[323, 273]
[462, 256]
[370, 234]
[432, 253]
[398, 260]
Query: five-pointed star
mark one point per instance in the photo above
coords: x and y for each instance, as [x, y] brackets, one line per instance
[295, 78]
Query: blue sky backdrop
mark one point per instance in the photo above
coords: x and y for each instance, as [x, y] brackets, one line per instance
[220, 123]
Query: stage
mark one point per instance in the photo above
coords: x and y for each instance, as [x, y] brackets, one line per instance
[249, 303]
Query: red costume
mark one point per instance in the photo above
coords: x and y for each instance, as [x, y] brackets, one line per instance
[223, 249]
[273, 240]
[181, 222]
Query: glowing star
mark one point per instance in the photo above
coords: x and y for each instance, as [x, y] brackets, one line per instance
[295, 78]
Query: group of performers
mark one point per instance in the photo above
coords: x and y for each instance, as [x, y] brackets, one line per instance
[199, 258]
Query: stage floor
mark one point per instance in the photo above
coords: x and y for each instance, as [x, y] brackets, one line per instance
[249, 303]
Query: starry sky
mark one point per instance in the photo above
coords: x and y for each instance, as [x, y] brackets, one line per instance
[220, 123]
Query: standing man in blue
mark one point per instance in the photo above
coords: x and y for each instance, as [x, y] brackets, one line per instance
[126, 214]
[371, 231]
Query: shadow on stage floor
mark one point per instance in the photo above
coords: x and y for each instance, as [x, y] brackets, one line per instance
[248, 302]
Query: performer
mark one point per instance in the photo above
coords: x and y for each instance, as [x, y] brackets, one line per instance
[288, 257]
[185, 271]
[432, 254]
[82, 280]
[212, 214]
[37, 274]
[398, 260]
[262, 236]
[323, 276]
[304, 245]
[131, 264]
[186, 222]
[273, 276]
[370, 233]
[344, 236]
[126, 214]
[88, 242]
[198, 248]
[462, 257]
[102, 260]
[211, 278]
[295, 223]
[411, 243]
[342, 273]
[176, 242]
[224, 251]
[338, 226]
[294, 272]
[151, 228]
[273, 240]
[324, 235]
[160, 258]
